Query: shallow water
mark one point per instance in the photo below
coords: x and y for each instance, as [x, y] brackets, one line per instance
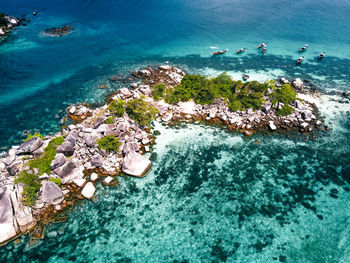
[210, 196]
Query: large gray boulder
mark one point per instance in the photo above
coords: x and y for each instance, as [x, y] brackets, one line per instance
[66, 169]
[66, 148]
[15, 167]
[51, 193]
[58, 161]
[8, 224]
[88, 190]
[298, 84]
[29, 146]
[135, 164]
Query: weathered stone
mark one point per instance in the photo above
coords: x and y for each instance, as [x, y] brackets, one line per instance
[29, 146]
[8, 224]
[58, 161]
[66, 169]
[298, 84]
[70, 138]
[299, 104]
[97, 161]
[125, 93]
[90, 141]
[107, 180]
[131, 147]
[94, 177]
[304, 125]
[15, 167]
[66, 148]
[98, 122]
[167, 117]
[135, 164]
[272, 126]
[79, 182]
[9, 159]
[88, 190]
[51, 193]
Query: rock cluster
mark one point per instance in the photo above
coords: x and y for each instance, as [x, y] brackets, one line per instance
[58, 31]
[10, 23]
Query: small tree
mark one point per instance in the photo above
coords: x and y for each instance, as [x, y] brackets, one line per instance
[109, 143]
[141, 111]
[117, 108]
[158, 91]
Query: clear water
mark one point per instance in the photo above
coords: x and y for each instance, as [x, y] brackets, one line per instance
[210, 196]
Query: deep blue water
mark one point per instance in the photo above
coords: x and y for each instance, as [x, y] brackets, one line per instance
[234, 201]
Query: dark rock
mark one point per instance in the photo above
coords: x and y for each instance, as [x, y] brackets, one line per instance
[97, 160]
[58, 161]
[29, 146]
[66, 148]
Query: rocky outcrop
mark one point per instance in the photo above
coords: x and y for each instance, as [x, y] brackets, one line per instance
[135, 164]
[59, 160]
[66, 148]
[29, 146]
[8, 224]
[51, 193]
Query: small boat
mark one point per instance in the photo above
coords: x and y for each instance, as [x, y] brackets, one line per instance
[263, 50]
[245, 77]
[240, 50]
[304, 48]
[219, 52]
[262, 45]
[321, 56]
[300, 60]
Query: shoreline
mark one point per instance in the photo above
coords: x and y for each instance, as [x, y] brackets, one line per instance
[79, 163]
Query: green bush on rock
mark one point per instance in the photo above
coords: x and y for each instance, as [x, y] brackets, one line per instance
[37, 134]
[43, 162]
[158, 91]
[57, 181]
[285, 111]
[117, 108]
[31, 186]
[141, 111]
[109, 143]
[109, 120]
[286, 95]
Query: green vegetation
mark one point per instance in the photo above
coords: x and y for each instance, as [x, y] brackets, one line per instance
[31, 187]
[158, 91]
[37, 134]
[285, 111]
[57, 181]
[3, 20]
[109, 143]
[117, 108]
[43, 162]
[286, 95]
[238, 95]
[109, 120]
[141, 111]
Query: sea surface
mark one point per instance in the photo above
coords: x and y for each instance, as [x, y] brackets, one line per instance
[211, 196]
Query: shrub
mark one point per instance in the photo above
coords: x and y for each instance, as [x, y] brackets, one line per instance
[285, 111]
[285, 94]
[117, 108]
[109, 120]
[31, 186]
[37, 134]
[141, 111]
[109, 143]
[158, 91]
[57, 181]
[235, 105]
[43, 162]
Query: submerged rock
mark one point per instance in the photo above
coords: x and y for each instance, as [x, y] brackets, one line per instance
[135, 164]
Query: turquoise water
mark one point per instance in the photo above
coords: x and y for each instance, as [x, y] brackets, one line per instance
[210, 196]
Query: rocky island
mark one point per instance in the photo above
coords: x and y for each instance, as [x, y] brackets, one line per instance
[7, 23]
[45, 175]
